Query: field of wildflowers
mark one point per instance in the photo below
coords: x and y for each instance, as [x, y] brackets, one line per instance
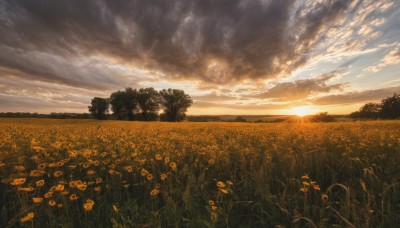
[86, 173]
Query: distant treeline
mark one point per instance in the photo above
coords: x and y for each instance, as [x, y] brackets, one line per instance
[388, 108]
[51, 115]
[204, 118]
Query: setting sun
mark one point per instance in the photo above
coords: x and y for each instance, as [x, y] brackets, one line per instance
[301, 111]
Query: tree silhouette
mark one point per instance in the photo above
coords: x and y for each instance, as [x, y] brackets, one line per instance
[124, 103]
[368, 111]
[391, 107]
[148, 101]
[99, 108]
[117, 104]
[175, 104]
[130, 102]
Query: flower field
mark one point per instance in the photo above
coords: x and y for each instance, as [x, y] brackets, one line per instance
[86, 173]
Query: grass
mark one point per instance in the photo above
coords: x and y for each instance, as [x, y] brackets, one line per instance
[133, 174]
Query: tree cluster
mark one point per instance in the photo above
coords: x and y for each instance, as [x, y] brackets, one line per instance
[389, 108]
[143, 104]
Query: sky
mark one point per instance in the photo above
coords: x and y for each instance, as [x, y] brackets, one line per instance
[234, 57]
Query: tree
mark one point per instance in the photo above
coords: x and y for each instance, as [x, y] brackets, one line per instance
[99, 107]
[130, 102]
[390, 107]
[124, 103]
[117, 104]
[148, 100]
[175, 103]
[370, 111]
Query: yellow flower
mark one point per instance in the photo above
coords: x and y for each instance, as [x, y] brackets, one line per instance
[316, 187]
[86, 165]
[163, 176]
[72, 184]
[18, 181]
[28, 217]
[229, 182]
[37, 199]
[305, 177]
[211, 162]
[304, 189]
[72, 166]
[220, 184]
[28, 189]
[99, 180]
[224, 191]
[172, 165]
[158, 157]
[149, 177]
[313, 182]
[211, 202]
[97, 189]
[59, 205]
[65, 193]
[81, 187]
[144, 172]
[42, 166]
[58, 173]
[48, 195]
[305, 183]
[128, 169]
[91, 172]
[59, 188]
[73, 197]
[154, 192]
[166, 159]
[37, 173]
[324, 197]
[52, 203]
[214, 208]
[88, 205]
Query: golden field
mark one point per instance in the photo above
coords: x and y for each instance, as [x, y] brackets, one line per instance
[77, 173]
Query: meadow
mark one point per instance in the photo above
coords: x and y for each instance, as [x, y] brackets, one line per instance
[87, 173]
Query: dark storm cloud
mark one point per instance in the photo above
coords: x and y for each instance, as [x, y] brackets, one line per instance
[212, 40]
[55, 68]
[301, 89]
[357, 97]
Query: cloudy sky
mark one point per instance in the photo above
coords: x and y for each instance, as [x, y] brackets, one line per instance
[230, 56]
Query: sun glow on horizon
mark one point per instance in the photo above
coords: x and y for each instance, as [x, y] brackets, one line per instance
[301, 111]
